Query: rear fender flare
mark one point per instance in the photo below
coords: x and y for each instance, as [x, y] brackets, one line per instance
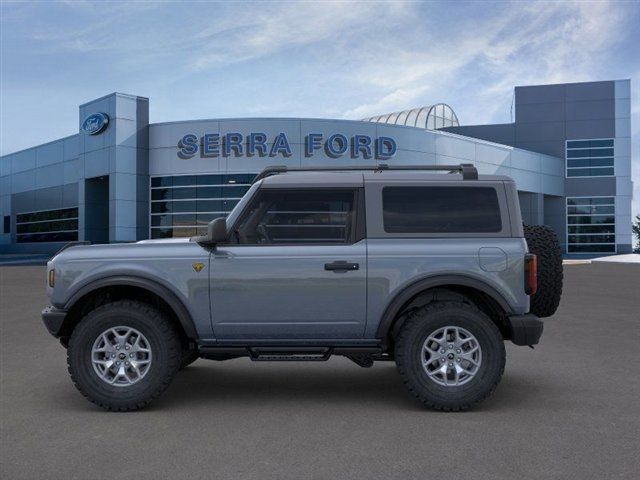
[407, 293]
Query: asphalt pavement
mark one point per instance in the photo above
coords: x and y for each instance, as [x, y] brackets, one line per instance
[570, 409]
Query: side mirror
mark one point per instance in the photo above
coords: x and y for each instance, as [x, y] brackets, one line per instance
[216, 232]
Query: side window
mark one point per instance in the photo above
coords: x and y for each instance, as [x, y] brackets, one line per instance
[441, 210]
[311, 216]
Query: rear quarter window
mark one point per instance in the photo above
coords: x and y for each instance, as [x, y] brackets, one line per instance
[441, 209]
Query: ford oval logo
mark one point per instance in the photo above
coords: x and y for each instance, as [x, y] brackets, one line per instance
[95, 123]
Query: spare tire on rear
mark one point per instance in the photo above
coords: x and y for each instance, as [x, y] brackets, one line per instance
[543, 242]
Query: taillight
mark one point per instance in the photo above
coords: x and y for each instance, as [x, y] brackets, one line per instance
[530, 274]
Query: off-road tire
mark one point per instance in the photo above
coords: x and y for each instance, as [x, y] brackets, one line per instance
[543, 242]
[408, 347]
[188, 357]
[165, 347]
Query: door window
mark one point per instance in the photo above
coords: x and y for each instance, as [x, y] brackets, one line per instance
[278, 217]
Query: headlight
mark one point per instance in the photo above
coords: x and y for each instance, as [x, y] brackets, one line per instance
[52, 277]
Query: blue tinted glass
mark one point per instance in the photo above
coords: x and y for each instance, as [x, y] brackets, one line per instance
[591, 201]
[210, 179]
[47, 237]
[589, 220]
[161, 207]
[578, 144]
[234, 192]
[209, 206]
[601, 143]
[162, 181]
[578, 153]
[161, 220]
[590, 162]
[611, 248]
[184, 193]
[183, 206]
[591, 209]
[601, 152]
[239, 178]
[592, 238]
[228, 205]
[161, 232]
[184, 180]
[184, 231]
[591, 228]
[161, 194]
[209, 192]
[205, 218]
[184, 220]
[590, 172]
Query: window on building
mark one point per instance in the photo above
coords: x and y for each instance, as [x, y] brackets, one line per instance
[6, 226]
[298, 217]
[441, 210]
[182, 206]
[47, 226]
[590, 158]
[591, 225]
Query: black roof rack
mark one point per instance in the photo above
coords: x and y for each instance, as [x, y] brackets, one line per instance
[468, 170]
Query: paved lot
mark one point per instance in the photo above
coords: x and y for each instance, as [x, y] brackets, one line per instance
[568, 409]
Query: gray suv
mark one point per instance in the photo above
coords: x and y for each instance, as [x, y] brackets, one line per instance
[433, 271]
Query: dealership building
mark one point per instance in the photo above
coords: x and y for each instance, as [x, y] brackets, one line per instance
[122, 179]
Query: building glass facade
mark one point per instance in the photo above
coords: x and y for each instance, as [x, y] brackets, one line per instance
[47, 226]
[591, 226]
[183, 205]
[590, 158]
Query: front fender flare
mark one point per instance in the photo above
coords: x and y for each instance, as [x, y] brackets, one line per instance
[178, 307]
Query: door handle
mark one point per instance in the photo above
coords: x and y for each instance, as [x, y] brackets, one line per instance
[341, 266]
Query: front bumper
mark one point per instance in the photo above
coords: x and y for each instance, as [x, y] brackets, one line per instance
[525, 329]
[53, 319]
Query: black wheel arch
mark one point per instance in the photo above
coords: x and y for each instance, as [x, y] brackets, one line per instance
[485, 296]
[127, 286]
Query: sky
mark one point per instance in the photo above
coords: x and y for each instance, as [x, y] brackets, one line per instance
[310, 59]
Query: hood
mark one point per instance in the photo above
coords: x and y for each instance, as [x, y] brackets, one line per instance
[121, 250]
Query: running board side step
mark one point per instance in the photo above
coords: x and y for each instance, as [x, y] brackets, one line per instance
[363, 356]
[271, 354]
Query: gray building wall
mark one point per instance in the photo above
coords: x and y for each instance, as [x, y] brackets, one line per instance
[121, 153]
[39, 178]
[549, 115]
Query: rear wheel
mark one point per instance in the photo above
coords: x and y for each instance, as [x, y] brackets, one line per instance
[123, 354]
[451, 355]
[543, 242]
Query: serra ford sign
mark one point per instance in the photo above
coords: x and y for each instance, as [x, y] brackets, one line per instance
[260, 145]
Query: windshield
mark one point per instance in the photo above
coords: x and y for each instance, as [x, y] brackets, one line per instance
[233, 216]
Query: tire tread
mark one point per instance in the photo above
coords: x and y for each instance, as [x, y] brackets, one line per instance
[418, 316]
[166, 329]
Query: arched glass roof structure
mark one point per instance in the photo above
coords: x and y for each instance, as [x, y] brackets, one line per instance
[430, 117]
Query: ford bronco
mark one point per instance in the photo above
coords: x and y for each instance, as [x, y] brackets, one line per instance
[433, 271]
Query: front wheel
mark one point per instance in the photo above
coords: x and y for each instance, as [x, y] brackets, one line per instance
[123, 354]
[451, 355]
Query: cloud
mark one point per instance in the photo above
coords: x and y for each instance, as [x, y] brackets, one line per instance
[387, 103]
[521, 44]
[261, 32]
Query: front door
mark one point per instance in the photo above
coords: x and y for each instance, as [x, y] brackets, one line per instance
[296, 268]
